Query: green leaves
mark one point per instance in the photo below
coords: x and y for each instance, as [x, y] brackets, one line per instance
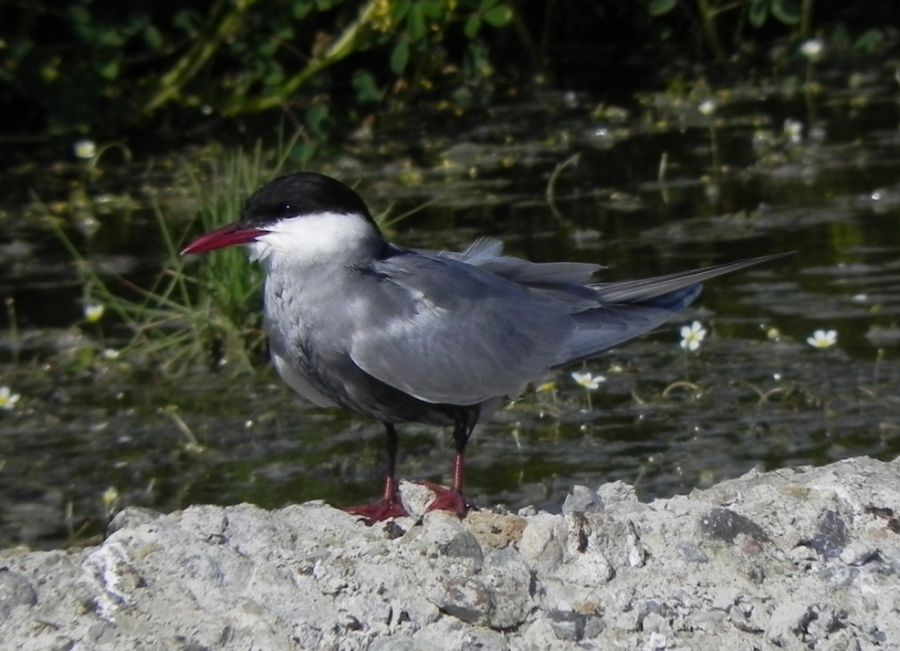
[415, 23]
[870, 42]
[367, 90]
[400, 57]
[499, 16]
[757, 12]
[235, 57]
[491, 12]
[787, 12]
[660, 7]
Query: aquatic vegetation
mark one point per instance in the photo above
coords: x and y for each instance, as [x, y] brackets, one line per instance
[8, 399]
[793, 130]
[93, 312]
[707, 107]
[110, 499]
[197, 311]
[812, 49]
[822, 339]
[110, 353]
[756, 390]
[84, 149]
[589, 382]
[692, 336]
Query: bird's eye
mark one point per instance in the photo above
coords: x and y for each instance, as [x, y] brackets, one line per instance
[286, 207]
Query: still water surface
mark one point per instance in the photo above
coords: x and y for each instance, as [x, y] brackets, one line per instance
[656, 187]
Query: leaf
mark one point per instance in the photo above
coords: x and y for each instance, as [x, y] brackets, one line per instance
[870, 41]
[274, 75]
[786, 11]
[415, 23]
[399, 57]
[473, 25]
[153, 37]
[399, 11]
[367, 90]
[434, 9]
[303, 153]
[187, 21]
[110, 70]
[318, 120]
[301, 8]
[498, 16]
[759, 10]
[660, 7]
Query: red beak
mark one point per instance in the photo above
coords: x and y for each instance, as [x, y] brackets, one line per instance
[221, 237]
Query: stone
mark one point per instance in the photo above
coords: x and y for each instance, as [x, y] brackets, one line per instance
[793, 559]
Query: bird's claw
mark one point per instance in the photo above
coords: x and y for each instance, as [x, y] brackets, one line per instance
[379, 511]
[447, 499]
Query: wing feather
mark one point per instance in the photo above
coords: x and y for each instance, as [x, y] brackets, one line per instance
[462, 328]
[449, 332]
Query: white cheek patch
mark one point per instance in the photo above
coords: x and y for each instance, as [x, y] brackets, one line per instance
[308, 239]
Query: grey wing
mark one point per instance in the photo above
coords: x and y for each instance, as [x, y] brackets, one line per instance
[445, 331]
[649, 289]
[487, 253]
[631, 308]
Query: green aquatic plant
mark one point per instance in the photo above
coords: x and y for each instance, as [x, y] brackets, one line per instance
[8, 399]
[713, 14]
[589, 382]
[196, 311]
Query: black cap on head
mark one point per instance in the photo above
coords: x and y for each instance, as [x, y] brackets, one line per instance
[300, 194]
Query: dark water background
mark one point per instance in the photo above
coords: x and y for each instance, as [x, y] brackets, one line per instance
[773, 168]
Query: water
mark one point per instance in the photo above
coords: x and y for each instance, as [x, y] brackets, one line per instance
[771, 170]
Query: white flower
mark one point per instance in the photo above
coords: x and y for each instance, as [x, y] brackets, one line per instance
[812, 49]
[793, 129]
[692, 336]
[110, 497]
[93, 312]
[110, 353]
[8, 399]
[85, 149]
[707, 107]
[822, 339]
[588, 380]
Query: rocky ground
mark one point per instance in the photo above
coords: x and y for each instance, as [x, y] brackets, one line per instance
[792, 559]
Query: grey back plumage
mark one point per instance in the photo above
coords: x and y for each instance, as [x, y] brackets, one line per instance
[450, 332]
[461, 328]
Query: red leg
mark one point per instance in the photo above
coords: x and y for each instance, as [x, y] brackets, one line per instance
[389, 506]
[453, 499]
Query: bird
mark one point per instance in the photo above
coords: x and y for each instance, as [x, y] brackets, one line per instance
[436, 337]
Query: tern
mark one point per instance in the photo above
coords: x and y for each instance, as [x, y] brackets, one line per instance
[436, 337]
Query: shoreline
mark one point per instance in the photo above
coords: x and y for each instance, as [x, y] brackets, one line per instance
[805, 558]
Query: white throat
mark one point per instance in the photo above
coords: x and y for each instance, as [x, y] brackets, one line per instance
[312, 239]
